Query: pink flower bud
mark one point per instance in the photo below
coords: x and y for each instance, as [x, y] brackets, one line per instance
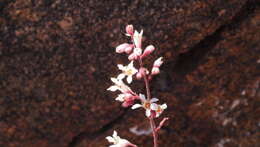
[129, 49]
[128, 96]
[148, 50]
[158, 62]
[141, 73]
[128, 102]
[139, 76]
[121, 48]
[129, 30]
[155, 70]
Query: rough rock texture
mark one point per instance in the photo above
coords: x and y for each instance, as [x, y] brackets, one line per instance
[56, 58]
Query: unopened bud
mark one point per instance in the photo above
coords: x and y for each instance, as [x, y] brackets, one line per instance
[129, 30]
[121, 48]
[129, 49]
[158, 62]
[128, 102]
[148, 50]
[132, 57]
[155, 70]
[139, 76]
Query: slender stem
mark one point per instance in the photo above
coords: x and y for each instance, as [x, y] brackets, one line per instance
[148, 92]
[155, 136]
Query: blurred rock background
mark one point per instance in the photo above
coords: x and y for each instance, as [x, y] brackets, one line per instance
[57, 57]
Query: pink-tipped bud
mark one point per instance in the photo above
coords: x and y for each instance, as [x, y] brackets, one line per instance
[128, 102]
[148, 50]
[155, 70]
[132, 57]
[129, 30]
[142, 72]
[129, 49]
[139, 76]
[121, 48]
[128, 96]
[156, 65]
[158, 62]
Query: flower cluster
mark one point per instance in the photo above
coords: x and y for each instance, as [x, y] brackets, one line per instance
[128, 72]
[135, 53]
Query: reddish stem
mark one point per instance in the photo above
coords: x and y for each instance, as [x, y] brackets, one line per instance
[148, 93]
[152, 123]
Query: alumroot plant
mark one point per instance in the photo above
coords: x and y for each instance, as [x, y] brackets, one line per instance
[127, 96]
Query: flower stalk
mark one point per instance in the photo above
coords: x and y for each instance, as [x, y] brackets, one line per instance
[127, 96]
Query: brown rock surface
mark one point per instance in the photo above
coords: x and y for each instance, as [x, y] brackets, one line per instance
[57, 57]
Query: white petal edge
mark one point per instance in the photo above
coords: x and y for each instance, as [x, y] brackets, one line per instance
[135, 106]
[131, 64]
[112, 88]
[110, 139]
[120, 66]
[121, 76]
[154, 106]
[129, 79]
[114, 80]
[147, 113]
[114, 134]
[142, 97]
[154, 100]
[120, 97]
[163, 106]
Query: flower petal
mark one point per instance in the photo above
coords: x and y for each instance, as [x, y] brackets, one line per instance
[120, 66]
[154, 100]
[110, 139]
[135, 106]
[129, 79]
[154, 106]
[114, 80]
[121, 76]
[115, 134]
[113, 88]
[142, 97]
[147, 112]
[163, 106]
[131, 64]
[120, 97]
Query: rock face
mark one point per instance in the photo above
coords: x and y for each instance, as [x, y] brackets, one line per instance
[56, 58]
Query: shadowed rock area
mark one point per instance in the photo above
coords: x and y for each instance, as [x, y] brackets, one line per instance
[57, 57]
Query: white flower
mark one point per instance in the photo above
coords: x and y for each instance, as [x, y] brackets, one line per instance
[148, 50]
[119, 85]
[158, 108]
[117, 141]
[138, 39]
[146, 104]
[128, 71]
